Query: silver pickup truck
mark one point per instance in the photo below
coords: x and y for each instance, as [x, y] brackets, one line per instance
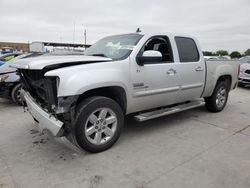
[147, 75]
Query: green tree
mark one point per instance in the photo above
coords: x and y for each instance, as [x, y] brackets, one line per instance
[208, 53]
[222, 52]
[247, 52]
[235, 54]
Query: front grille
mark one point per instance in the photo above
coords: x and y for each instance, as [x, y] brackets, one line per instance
[247, 71]
[41, 88]
[246, 80]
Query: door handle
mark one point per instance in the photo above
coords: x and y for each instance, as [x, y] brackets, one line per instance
[199, 69]
[171, 72]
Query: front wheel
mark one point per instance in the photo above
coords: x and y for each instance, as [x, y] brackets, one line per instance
[99, 123]
[218, 100]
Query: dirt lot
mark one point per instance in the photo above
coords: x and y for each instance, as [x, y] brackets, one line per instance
[190, 149]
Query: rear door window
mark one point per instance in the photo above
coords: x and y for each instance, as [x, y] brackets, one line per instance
[187, 49]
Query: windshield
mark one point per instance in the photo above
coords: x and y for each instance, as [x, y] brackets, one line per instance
[114, 47]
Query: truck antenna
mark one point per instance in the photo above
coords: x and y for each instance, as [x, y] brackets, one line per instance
[138, 30]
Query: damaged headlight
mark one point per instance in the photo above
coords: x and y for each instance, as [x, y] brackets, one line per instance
[3, 78]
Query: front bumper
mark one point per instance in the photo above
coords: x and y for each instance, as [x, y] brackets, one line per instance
[244, 80]
[45, 120]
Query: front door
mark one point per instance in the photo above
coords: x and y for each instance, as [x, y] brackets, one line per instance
[156, 83]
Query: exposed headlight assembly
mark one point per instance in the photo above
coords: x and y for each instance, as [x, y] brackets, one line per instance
[3, 78]
[57, 82]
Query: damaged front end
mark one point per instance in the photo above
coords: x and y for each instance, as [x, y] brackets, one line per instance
[43, 91]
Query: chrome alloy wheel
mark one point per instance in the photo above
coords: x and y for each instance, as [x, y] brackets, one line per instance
[100, 126]
[221, 97]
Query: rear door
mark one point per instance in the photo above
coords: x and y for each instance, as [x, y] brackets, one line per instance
[191, 69]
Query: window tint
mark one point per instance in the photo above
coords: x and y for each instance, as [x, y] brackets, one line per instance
[187, 49]
[160, 44]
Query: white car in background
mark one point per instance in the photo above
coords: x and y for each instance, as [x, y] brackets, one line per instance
[244, 76]
[245, 59]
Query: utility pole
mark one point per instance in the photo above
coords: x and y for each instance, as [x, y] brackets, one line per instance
[28, 46]
[85, 38]
[74, 33]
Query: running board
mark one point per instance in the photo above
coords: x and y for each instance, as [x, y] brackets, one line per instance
[168, 110]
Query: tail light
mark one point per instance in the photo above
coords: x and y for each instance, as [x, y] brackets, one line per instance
[238, 70]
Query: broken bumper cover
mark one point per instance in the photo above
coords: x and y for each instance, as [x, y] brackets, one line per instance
[46, 121]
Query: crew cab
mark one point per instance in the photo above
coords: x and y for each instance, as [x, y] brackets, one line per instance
[148, 75]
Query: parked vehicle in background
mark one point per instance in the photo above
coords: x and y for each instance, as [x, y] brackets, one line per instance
[148, 75]
[2, 62]
[245, 59]
[64, 52]
[37, 47]
[7, 50]
[244, 76]
[9, 56]
[10, 86]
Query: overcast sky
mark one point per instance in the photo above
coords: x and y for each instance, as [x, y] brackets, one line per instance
[218, 24]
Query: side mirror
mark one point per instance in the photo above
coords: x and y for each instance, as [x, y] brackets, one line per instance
[149, 56]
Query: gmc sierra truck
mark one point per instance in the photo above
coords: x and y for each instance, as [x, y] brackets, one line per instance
[148, 75]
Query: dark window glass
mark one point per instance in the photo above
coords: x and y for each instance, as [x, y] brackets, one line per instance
[187, 49]
[161, 44]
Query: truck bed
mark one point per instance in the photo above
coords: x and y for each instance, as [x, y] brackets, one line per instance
[216, 68]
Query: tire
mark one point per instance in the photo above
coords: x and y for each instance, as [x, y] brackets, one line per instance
[241, 84]
[16, 94]
[218, 100]
[99, 123]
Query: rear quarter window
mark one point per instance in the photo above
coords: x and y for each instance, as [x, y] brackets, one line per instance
[187, 49]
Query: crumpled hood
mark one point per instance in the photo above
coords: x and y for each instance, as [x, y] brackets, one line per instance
[6, 69]
[39, 63]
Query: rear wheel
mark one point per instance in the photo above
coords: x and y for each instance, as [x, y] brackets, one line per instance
[99, 123]
[16, 94]
[218, 100]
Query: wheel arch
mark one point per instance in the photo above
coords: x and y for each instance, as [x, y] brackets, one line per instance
[117, 93]
[227, 79]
